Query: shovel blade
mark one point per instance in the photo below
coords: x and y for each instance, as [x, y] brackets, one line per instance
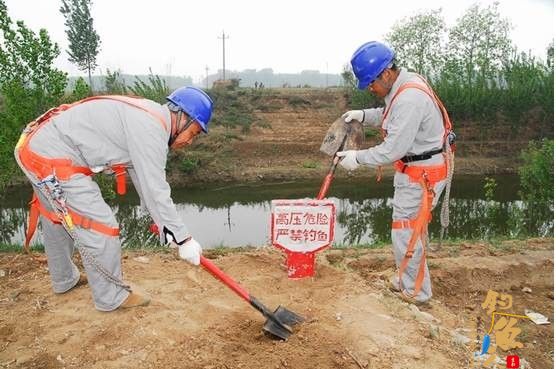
[335, 139]
[276, 330]
[278, 324]
[287, 316]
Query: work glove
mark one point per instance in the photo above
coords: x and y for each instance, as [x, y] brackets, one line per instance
[358, 115]
[190, 251]
[348, 159]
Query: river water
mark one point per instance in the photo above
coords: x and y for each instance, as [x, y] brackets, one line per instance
[235, 215]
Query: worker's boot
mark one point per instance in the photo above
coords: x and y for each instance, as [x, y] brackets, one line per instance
[82, 280]
[392, 284]
[412, 300]
[135, 299]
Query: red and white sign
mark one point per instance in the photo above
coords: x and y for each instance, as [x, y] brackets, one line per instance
[304, 225]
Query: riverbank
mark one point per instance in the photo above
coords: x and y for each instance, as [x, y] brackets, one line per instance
[286, 126]
[283, 143]
[352, 319]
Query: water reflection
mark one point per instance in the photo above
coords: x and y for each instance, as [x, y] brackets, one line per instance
[240, 215]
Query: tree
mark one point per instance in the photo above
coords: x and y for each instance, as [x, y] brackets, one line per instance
[550, 55]
[84, 42]
[479, 44]
[418, 41]
[29, 85]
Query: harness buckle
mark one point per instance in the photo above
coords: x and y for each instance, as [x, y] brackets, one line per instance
[86, 223]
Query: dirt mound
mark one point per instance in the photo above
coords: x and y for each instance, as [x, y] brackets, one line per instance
[353, 321]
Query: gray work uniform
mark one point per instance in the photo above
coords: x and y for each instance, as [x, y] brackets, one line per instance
[98, 134]
[414, 126]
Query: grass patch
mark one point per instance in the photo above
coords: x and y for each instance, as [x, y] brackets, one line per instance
[263, 124]
[310, 164]
[12, 247]
[297, 101]
[369, 246]
[190, 165]
[372, 133]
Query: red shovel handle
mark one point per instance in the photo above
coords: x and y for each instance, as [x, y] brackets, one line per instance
[216, 272]
[328, 179]
[325, 186]
[224, 278]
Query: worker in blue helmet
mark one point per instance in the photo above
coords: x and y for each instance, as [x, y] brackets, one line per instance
[416, 130]
[61, 150]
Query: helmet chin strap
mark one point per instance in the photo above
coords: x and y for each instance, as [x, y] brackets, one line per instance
[176, 129]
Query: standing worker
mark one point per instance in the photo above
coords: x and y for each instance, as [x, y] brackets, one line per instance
[416, 130]
[63, 148]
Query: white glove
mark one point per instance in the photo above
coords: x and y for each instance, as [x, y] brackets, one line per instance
[349, 160]
[191, 252]
[353, 114]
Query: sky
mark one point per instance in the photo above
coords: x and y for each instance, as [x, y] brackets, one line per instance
[183, 38]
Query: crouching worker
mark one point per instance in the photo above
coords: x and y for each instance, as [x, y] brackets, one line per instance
[63, 148]
[417, 138]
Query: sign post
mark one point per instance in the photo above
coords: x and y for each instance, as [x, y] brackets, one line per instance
[301, 228]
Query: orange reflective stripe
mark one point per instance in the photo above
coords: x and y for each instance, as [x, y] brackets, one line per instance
[420, 230]
[32, 224]
[78, 219]
[434, 173]
[430, 92]
[88, 223]
[403, 223]
[42, 166]
[119, 171]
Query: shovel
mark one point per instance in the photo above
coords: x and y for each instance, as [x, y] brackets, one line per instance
[340, 136]
[278, 323]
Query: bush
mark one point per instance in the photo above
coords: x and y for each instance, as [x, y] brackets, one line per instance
[114, 83]
[190, 164]
[296, 101]
[81, 90]
[156, 89]
[537, 172]
[537, 186]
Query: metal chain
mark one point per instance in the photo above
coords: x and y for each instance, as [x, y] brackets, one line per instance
[52, 191]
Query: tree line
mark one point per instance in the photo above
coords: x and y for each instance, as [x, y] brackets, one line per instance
[473, 66]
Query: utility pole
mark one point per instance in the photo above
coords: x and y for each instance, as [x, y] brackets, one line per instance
[207, 75]
[326, 75]
[224, 37]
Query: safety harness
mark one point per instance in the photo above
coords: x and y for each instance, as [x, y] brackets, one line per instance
[63, 169]
[427, 176]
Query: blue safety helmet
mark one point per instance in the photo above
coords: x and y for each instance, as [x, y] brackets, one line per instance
[195, 102]
[369, 60]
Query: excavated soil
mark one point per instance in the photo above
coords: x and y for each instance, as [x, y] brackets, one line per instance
[352, 319]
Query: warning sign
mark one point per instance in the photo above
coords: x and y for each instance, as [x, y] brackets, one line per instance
[304, 225]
